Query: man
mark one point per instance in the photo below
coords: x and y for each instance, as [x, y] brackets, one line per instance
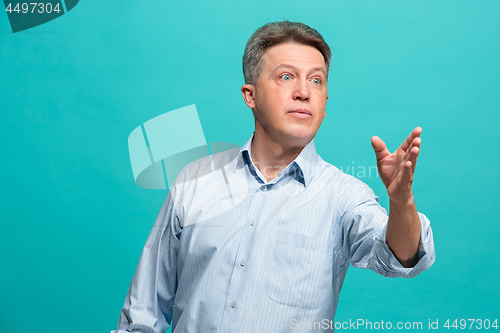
[263, 240]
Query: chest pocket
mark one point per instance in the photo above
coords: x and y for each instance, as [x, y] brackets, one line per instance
[301, 271]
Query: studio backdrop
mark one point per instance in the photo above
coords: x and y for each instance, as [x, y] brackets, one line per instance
[91, 137]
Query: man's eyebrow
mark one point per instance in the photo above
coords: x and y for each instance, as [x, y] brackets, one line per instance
[315, 69]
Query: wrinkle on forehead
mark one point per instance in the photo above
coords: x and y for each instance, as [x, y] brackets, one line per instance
[285, 66]
[274, 58]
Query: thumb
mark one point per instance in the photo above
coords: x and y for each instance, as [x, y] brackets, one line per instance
[379, 147]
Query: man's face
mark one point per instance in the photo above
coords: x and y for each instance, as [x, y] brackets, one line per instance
[290, 96]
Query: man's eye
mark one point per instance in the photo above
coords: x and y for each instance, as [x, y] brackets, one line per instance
[286, 77]
[316, 81]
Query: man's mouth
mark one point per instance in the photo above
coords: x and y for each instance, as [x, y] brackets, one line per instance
[301, 113]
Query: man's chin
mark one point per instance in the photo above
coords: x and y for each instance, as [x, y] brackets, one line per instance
[300, 137]
[302, 132]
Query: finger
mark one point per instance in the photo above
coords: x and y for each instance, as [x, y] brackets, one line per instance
[407, 176]
[414, 152]
[379, 147]
[415, 143]
[407, 153]
[414, 134]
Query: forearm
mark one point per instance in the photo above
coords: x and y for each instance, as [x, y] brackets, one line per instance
[403, 232]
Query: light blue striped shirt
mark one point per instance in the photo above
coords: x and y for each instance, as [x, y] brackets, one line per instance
[231, 252]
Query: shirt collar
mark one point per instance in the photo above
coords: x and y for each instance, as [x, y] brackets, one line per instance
[303, 168]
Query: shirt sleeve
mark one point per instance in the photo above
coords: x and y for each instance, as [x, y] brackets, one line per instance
[149, 303]
[364, 224]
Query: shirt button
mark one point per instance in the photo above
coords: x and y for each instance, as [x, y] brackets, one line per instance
[253, 222]
[264, 188]
[243, 263]
[233, 304]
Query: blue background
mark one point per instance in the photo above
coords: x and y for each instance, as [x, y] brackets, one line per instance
[73, 222]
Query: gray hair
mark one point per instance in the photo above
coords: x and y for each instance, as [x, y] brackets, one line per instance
[275, 33]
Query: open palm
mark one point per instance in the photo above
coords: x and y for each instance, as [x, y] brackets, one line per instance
[396, 169]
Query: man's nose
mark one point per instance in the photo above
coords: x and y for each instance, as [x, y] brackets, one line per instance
[301, 92]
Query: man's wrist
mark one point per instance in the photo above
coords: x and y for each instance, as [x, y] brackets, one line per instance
[402, 202]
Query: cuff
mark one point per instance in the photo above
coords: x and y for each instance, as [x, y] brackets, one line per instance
[388, 265]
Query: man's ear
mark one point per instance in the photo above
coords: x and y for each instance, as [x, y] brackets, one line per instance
[248, 93]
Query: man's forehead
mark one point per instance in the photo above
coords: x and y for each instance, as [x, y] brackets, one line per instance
[293, 56]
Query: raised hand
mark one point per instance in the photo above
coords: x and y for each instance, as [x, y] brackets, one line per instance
[396, 169]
